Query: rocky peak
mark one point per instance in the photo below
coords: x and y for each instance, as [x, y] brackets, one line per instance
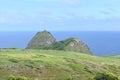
[44, 40]
[71, 44]
[41, 40]
[77, 45]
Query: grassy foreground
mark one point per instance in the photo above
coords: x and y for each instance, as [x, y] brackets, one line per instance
[54, 65]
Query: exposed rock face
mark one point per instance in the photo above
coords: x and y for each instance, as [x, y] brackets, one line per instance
[72, 44]
[42, 40]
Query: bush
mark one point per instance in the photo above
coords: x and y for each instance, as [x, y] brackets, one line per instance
[21, 78]
[11, 77]
[68, 79]
[106, 76]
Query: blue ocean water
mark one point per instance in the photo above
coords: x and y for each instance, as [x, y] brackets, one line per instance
[99, 42]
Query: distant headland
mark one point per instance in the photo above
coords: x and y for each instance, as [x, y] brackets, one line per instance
[45, 41]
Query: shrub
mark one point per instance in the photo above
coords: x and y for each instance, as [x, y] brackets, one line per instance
[21, 78]
[13, 60]
[68, 79]
[11, 77]
[106, 76]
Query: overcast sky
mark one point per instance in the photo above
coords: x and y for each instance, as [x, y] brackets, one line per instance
[58, 15]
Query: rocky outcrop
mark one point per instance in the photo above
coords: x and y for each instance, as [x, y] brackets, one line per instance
[72, 44]
[44, 40]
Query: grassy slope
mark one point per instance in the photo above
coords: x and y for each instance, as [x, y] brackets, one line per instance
[54, 65]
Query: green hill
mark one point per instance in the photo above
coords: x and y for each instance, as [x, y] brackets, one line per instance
[42, 40]
[45, 41]
[71, 44]
[54, 65]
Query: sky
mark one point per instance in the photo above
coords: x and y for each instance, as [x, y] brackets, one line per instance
[60, 15]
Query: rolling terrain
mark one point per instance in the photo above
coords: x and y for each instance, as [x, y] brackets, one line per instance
[54, 64]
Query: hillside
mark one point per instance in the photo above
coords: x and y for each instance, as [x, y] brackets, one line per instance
[71, 44]
[42, 40]
[54, 65]
[45, 41]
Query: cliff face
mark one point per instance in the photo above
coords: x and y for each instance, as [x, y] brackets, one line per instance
[72, 44]
[44, 40]
[77, 45]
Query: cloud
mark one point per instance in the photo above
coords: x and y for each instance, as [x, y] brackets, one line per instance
[105, 12]
[66, 2]
[22, 19]
[12, 18]
[70, 2]
[44, 0]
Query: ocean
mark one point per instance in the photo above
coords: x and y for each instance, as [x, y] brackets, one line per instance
[100, 42]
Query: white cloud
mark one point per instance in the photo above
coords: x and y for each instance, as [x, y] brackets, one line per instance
[18, 19]
[11, 18]
[70, 2]
[45, 0]
[65, 2]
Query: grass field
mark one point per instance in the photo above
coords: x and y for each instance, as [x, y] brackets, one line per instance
[54, 65]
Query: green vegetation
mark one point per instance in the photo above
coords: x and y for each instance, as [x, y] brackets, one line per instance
[71, 44]
[42, 40]
[106, 76]
[11, 77]
[45, 41]
[55, 65]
